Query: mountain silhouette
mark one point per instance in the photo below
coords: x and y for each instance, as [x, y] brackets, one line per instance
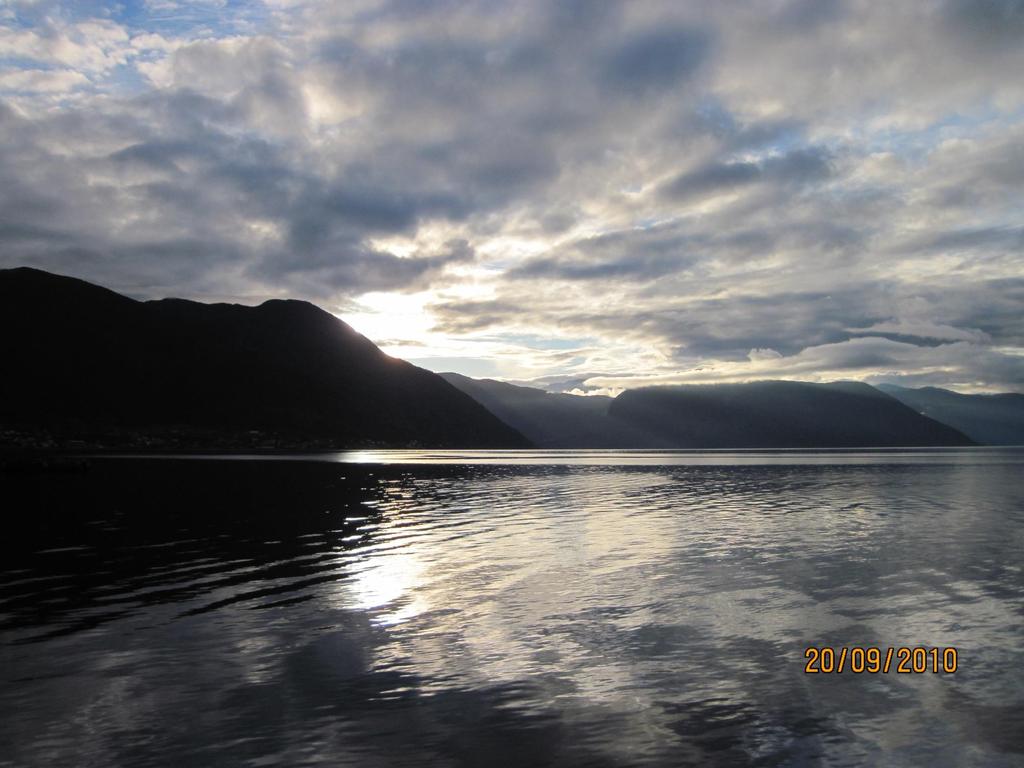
[551, 420]
[780, 414]
[990, 419]
[83, 361]
[769, 414]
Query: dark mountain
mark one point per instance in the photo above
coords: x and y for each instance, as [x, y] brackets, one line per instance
[80, 360]
[780, 414]
[988, 419]
[555, 420]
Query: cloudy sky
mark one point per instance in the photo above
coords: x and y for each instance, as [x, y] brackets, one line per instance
[586, 194]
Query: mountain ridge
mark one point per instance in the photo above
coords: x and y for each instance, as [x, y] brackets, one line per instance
[713, 416]
[88, 361]
[555, 420]
[992, 419]
[781, 414]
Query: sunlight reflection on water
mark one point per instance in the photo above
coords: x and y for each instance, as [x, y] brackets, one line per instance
[594, 610]
[661, 458]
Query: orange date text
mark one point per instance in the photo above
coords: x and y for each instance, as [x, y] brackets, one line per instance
[874, 660]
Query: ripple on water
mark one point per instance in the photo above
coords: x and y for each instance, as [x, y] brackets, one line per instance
[570, 609]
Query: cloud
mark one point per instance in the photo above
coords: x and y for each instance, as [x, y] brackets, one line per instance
[796, 167]
[712, 190]
[642, 254]
[93, 46]
[757, 355]
[986, 22]
[712, 178]
[959, 364]
[367, 269]
[922, 329]
[41, 80]
[654, 60]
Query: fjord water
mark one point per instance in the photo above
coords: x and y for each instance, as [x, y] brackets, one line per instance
[560, 608]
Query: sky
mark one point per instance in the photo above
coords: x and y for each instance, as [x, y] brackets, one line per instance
[585, 195]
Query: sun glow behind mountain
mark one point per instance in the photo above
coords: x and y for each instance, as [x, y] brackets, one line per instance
[591, 196]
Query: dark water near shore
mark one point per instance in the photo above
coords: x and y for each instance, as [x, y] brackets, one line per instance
[577, 608]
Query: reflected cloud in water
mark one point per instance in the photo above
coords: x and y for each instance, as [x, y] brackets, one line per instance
[566, 613]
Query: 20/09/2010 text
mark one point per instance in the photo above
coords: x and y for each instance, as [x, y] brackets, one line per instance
[873, 660]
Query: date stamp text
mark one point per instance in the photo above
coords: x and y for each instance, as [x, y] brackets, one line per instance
[874, 660]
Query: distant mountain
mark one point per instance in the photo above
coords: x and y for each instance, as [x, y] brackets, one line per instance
[780, 414]
[556, 420]
[989, 419]
[80, 360]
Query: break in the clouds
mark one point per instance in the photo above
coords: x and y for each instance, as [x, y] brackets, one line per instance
[590, 194]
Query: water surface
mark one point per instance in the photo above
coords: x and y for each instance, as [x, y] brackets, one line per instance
[547, 608]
